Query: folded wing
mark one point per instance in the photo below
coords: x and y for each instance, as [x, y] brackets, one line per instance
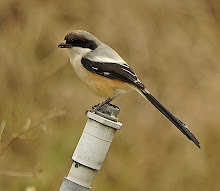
[112, 70]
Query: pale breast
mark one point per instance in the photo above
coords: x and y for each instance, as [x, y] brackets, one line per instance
[99, 85]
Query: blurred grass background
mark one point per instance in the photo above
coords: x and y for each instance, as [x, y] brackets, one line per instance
[174, 48]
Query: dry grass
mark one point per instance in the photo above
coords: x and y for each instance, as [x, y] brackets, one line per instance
[174, 48]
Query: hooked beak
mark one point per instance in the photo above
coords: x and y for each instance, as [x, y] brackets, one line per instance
[64, 45]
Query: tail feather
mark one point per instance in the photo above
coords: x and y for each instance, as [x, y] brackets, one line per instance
[179, 124]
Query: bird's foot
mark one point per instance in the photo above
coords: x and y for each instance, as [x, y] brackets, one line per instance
[99, 106]
[94, 108]
[115, 106]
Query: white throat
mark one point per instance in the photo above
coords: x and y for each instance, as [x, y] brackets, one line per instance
[77, 52]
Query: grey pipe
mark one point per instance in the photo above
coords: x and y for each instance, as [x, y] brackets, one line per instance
[92, 148]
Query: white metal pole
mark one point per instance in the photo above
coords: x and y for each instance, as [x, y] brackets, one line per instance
[92, 148]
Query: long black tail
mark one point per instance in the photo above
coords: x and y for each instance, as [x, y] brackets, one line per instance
[179, 124]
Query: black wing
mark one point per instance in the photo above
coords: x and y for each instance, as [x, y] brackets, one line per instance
[112, 71]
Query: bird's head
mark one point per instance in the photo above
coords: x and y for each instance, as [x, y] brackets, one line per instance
[79, 42]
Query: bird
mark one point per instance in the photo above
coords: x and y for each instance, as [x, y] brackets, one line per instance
[107, 75]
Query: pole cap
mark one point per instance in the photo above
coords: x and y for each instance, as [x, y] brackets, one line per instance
[109, 111]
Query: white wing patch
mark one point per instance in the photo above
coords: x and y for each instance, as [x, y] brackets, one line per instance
[106, 73]
[94, 68]
[129, 72]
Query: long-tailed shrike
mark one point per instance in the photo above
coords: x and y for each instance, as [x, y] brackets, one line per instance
[107, 75]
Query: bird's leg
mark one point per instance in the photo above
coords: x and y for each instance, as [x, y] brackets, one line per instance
[98, 106]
